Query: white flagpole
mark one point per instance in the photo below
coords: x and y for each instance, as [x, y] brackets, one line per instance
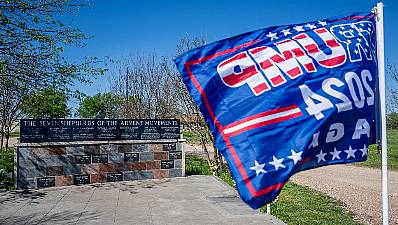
[382, 94]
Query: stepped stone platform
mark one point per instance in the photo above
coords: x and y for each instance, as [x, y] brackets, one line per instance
[184, 200]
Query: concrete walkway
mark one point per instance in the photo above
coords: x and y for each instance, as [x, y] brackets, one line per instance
[188, 200]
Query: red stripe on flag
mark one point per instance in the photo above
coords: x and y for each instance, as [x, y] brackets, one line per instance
[227, 51]
[269, 189]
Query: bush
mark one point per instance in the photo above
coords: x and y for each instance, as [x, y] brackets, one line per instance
[6, 168]
[392, 120]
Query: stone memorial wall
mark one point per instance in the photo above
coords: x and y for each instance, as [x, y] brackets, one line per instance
[45, 163]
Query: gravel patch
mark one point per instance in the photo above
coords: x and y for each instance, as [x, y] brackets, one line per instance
[358, 187]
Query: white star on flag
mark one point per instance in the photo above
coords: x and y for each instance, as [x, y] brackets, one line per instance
[259, 168]
[272, 36]
[322, 23]
[286, 32]
[295, 156]
[364, 150]
[335, 154]
[310, 26]
[298, 28]
[321, 156]
[350, 152]
[277, 163]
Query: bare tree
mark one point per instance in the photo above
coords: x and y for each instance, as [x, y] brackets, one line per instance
[190, 110]
[148, 87]
[152, 88]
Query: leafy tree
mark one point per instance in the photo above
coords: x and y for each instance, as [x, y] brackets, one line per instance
[101, 105]
[392, 120]
[33, 37]
[47, 103]
[32, 40]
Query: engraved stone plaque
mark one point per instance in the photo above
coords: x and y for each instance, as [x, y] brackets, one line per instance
[175, 155]
[131, 157]
[99, 158]
[82, 159]
[81, 179]
[112, 177]
[169, 147]
[43, 182]
[49, 130]
[167, 164]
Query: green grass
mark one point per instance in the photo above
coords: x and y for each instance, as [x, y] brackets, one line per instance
[302, 205]
[14, 134]
[7, 164]
[374, 159]
[7, 159]
[195, 165]
[296, 204]
[191, 137]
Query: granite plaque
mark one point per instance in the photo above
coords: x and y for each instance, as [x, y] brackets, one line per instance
[169, 147]
[175, 155]
[99, 158]
[167, 164]
[107, 130]
[49, 130]
[111, 177]
[81, 179]
[131, 157]
[82, 159]
[43, 182]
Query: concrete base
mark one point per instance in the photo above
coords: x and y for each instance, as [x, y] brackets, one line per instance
[187, 200]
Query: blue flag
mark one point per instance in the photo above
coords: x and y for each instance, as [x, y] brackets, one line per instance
[288, 98]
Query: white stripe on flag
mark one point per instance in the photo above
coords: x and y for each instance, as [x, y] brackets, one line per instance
[262, 119]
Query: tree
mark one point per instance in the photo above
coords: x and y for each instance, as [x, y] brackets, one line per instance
[47, 103]
[100, 106]
[32, 40]
[190, 109]
[149, 87]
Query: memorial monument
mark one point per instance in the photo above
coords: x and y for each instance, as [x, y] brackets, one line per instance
[59, 152]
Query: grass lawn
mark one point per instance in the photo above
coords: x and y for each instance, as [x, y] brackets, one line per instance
[296, 204]
[191, 137]
[374, 159]
[302, 205]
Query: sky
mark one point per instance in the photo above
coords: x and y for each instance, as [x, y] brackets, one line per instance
[121, 28]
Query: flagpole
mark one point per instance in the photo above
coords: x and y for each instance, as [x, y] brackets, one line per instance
[382, 94]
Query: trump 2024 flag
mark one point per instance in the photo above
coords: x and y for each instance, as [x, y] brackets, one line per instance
[287, 98]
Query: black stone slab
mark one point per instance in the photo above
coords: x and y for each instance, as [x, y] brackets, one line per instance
[166, 164]
[112, 177]
[169, 147]
[43, 182]
[175, 155]
[81, 179]
[82, 159]
[131, 157]
[99, 158]
[51, 130]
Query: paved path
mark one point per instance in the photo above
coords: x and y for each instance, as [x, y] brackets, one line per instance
[358, 187]
[188, 201]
